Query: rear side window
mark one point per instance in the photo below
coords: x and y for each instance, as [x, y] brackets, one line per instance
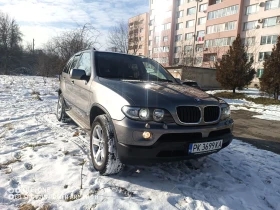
[85, 63]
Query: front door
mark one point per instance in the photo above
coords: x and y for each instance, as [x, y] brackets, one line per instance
[81, 88]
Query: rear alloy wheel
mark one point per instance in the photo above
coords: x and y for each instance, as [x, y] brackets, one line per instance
[103, 147]
[60, 111]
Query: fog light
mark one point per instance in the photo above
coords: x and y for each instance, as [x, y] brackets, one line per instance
[147, 135]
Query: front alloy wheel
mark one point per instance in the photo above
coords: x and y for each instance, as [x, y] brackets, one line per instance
[103, 147]
[98, 145]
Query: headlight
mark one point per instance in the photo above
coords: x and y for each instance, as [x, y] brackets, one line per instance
[225, 112]
[131, 112]
[158, 115]
[144, 114]
[148, 114]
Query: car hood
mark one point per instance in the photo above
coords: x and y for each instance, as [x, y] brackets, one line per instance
[158, 94]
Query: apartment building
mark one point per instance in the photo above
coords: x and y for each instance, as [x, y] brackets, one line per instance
[138, 35]
[198, 32]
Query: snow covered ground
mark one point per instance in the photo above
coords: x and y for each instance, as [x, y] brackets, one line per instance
[41, 162]
[266, 112]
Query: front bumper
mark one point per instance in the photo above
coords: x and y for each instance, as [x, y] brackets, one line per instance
[166, 144]
[164, 151]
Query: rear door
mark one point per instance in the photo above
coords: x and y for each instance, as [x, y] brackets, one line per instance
[82, 87]
[68, 93]
[64, 78]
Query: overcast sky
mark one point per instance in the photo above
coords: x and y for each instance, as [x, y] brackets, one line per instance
[42, 19]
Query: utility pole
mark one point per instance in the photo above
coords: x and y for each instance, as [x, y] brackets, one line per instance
[33, 45]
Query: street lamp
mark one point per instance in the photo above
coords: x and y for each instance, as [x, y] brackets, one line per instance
[194, 36]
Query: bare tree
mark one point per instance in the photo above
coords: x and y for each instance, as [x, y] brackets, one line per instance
[118, 37]
[10, 40]
[60, 48]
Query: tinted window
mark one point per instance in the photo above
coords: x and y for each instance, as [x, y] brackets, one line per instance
[85, 63]
[120, 66]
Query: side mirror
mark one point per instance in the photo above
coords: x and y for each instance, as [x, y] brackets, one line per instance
[77, 74]
[178, 80]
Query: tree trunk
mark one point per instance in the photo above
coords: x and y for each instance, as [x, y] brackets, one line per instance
[233, 90]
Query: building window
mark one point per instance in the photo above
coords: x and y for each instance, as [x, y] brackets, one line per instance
[201, 20]
[210, 57]
[176, 60]
[141, 30]
[249, 41]
[178, 37]
[150, 43]
[223, 12]
[157, 38]
[198, 60]
[191, 11]
[272, 21]
[166, 26]
[252, 9]
[219, 42]
[179, 26]
[264, 55]
[272, 4]
[180, 2]
[250, 25]
[272, 39]
[149, 52]
[165, 38]
[203, 7]
[150, 32]
[260, 73]
[190, 23]
[177, 49]
[200, 36]
[221, 27]
[165, 49]
[189, 36]
[180, 14]
[140, 46]
[188, 48]
[199, 48]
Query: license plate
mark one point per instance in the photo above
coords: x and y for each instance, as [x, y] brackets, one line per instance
[205, 146]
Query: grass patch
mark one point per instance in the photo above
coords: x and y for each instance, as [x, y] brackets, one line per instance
[259, 100]
[264, 101]
[27, 207]
[230, 95]
[9, 162]
[35, 145]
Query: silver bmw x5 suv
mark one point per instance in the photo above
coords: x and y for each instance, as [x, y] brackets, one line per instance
[137, 113]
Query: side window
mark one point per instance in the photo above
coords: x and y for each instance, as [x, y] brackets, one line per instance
[74, 63]
[66, 68]
[84, 63]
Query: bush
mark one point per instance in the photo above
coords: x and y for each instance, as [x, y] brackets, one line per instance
[230, 95]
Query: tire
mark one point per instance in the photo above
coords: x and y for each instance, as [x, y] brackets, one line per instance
[103, 147]
[60, 110]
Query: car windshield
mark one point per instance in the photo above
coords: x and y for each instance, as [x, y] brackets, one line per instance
[128, 67]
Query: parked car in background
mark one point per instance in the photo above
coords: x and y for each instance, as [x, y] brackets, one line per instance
[137, 113]
[191, 83]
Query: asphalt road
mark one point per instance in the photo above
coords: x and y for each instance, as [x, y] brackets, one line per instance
[263, 134]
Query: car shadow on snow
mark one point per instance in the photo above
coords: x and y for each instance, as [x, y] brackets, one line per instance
[224, 179]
